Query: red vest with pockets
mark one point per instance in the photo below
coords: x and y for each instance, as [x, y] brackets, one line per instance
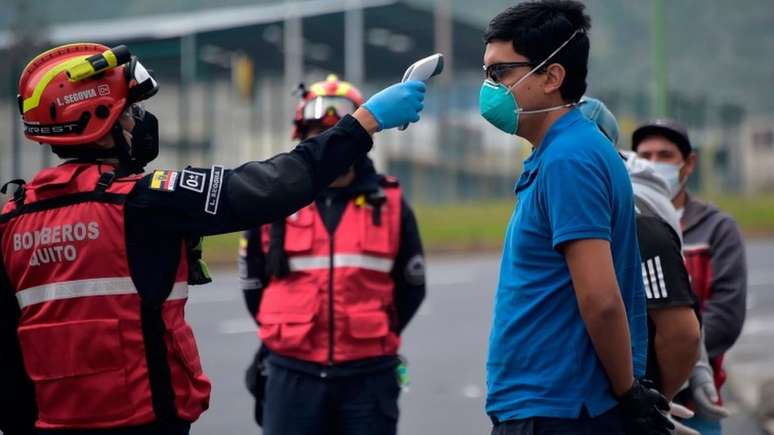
[80, 328]
[336, 304]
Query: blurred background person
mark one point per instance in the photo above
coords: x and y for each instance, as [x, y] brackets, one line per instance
[714, 252]
[673, 311]
[674, 333]
[332, 288]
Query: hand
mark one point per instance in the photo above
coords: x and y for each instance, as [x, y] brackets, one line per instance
[680, 411]
[705, 395]
[398, 104]
[681, 429]
[643, 411]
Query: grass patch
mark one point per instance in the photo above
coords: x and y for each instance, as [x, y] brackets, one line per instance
[755, 214]
[222, 249]
[463, 226]
[481, 225]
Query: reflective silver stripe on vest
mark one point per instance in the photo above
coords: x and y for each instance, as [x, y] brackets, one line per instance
[368, 262]
[86, 288]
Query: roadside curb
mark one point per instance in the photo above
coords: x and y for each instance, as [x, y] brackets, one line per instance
[753, 391]
[766, 406]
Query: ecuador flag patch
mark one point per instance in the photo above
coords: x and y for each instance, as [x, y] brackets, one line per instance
[164, 181]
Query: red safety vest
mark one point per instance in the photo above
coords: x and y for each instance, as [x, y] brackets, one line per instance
[698, 262]
[337, 302]
[80, 331]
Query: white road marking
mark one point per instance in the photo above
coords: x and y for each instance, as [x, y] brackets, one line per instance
[449, 279]
[237, 326]
[205, 295]
[758, 326]
[472, 391]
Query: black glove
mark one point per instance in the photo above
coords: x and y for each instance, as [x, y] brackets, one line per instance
[644, 411]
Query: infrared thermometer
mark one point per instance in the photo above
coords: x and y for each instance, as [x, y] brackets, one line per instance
[423, 70]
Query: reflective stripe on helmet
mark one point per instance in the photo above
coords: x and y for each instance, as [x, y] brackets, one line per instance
[34, 100]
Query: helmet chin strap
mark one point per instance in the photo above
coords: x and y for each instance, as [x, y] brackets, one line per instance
[127, 165]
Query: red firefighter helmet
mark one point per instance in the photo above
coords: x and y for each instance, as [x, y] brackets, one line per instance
[73, 94]
[325, 103]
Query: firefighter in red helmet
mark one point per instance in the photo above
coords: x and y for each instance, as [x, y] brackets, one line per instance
[96, 256]
[323, 104]
[332, 288]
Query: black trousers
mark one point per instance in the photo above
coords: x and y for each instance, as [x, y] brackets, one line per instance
[609, 423]
[298, 403]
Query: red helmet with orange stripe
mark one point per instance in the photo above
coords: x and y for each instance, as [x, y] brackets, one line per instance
[72, 95]
[324, 104]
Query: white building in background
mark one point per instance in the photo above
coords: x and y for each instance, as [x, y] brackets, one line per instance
[756, 146]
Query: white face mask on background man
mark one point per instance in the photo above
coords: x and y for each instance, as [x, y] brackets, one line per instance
[671, 174]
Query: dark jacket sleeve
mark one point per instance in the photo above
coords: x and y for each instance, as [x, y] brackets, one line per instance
[724, 311]
[409, 269]
[252, 269]
[18, 410]
[204, 201]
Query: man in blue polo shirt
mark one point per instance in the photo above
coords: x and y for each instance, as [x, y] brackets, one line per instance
[569, 333]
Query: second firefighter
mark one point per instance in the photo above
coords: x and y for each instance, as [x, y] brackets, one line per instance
[332, 287]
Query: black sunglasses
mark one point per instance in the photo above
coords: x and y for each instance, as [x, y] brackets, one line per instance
[496, 71]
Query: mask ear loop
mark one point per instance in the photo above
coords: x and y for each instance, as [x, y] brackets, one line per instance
[548, 109]
[550, 56]
[540, 65]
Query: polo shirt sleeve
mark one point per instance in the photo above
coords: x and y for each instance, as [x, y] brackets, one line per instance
[576, 198]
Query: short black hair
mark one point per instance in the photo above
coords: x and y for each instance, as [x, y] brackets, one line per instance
[537, 28]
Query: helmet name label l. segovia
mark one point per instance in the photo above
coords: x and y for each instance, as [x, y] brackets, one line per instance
[76, 97]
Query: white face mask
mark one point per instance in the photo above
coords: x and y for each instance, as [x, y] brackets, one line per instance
[671, 174]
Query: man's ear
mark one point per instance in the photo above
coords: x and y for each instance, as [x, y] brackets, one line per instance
[689, 166]
[554, 77]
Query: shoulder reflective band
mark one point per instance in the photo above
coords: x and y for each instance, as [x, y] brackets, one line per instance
[368, 262]
[87, 288]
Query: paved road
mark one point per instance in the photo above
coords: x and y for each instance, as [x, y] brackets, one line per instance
[446, 353]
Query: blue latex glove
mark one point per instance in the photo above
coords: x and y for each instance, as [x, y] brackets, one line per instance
[397, 105]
